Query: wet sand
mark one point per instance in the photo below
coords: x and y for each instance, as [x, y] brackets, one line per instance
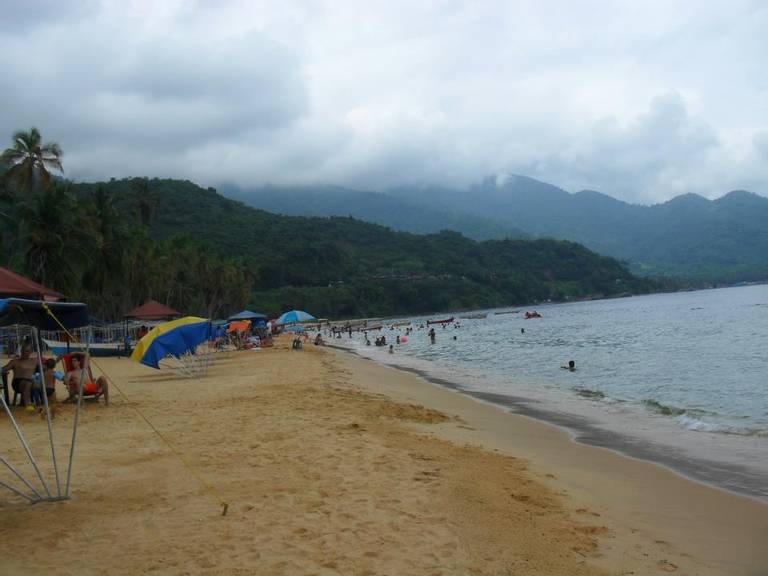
[331, 464]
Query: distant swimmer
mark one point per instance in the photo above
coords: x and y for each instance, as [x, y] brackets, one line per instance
[432, 335]
[391, 349]
[571, 366]
[398, 339]
[455, 338]
[522, 330]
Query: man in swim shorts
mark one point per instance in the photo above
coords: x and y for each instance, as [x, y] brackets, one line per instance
[72, 381]
[23, 368]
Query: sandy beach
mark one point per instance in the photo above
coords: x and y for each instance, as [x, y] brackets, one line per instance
[332, 464]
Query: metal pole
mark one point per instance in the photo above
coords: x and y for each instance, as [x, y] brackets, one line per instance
[77, 412]
[36, 336]
[19, 492]
[25, 445]
[21, 477]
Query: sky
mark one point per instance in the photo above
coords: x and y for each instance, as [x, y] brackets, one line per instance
[639, 100]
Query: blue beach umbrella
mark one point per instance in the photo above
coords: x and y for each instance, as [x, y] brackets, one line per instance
[296, 328]
[294, 316]
[174, 338]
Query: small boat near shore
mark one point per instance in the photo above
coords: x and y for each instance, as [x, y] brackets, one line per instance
[474, 317]
[506, 312]
[99, 349]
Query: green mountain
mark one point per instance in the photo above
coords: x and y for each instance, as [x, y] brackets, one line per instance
[391, 211]
[724, 240]
[340, 266]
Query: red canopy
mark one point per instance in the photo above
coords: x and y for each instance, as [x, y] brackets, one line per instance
[14, 286]
[152, 310]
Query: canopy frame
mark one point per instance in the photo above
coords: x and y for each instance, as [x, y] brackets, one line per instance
[40, 314]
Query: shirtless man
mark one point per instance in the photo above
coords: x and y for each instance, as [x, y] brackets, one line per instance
[23, 367]
[72, 381]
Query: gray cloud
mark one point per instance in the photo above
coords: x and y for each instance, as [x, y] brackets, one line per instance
[643, 101]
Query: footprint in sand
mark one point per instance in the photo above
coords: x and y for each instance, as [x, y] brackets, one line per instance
[667, 566]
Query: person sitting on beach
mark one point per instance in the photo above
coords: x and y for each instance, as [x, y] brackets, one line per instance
[49, 379]
[391, 349]
[571, 366]
[23, 368]
[319, 340]
[72, 382]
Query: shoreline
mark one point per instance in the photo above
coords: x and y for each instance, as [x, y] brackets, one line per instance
[645, 501]
[583, 431]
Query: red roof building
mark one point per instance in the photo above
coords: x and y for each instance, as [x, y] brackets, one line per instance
[152, 310]
[13, 285]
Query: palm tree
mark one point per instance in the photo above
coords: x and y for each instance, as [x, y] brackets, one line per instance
[146, 200]
[29, 160]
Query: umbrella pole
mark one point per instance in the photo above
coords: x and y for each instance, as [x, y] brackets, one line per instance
[19, 492]
[67, 493]
[19, 475]
[36, 336]
[27, 449]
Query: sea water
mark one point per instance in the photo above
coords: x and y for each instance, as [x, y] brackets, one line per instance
[679, 378]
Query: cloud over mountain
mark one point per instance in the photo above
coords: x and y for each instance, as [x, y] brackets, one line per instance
[640, 101]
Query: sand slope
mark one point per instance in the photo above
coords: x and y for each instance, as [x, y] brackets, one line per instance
[320, 477]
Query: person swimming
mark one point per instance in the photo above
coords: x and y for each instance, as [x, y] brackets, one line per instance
[571, 366]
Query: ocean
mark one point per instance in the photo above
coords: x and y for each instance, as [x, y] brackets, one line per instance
[680, 379]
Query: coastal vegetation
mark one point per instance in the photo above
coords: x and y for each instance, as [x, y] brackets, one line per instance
[116, 244]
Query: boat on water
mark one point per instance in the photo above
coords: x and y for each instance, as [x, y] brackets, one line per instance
[100, 349]
[529, 315]
[474, 317]
[401, 324]
[444, 321]
[506, 312]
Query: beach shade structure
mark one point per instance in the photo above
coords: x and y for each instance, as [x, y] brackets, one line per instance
[294, 317]
[181, 341]
[13, 285]
[42, 315]
[254, 317]
[152, 310]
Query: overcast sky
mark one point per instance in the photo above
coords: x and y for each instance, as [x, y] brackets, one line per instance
[642, 100]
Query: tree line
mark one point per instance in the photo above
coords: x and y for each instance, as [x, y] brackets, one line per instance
[85, 247]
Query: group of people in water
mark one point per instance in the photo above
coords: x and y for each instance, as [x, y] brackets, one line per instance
[30, 385]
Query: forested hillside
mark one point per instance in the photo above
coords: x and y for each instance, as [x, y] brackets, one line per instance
[346, 267]
[724, 240]
[391, 211]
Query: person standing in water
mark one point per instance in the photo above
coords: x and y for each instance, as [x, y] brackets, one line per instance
[432, 335]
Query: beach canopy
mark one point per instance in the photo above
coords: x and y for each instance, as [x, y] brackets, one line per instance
[13, 285]
[153, 310]
[294, 316]
[43, 315]
[248, 315]
[175, 338]
[296, 328]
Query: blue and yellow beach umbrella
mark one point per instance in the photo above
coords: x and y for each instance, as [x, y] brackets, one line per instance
[174, 338]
